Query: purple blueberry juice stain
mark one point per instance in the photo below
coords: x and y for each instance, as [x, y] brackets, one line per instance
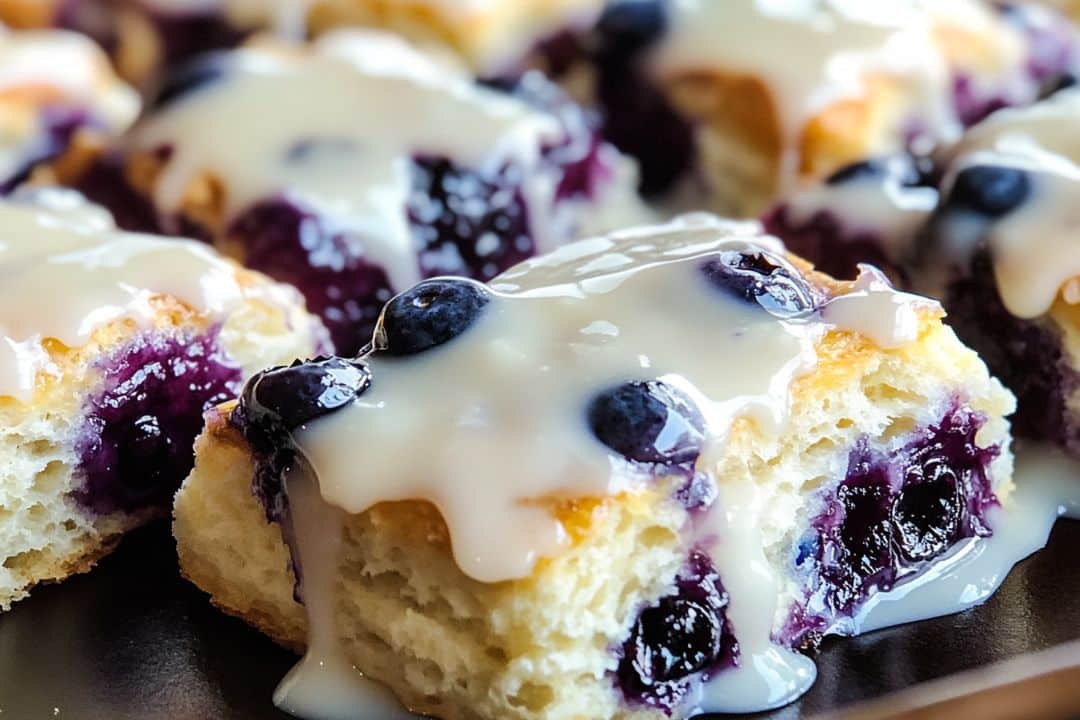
[892, 513]
[683, 637]
[136, 443]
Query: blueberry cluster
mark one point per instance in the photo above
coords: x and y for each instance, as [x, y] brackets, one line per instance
[892, 513]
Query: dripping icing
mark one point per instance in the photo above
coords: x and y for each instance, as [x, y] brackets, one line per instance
[357, 172]
[65, 271]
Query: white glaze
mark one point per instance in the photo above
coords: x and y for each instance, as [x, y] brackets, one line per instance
[810, 54]
[886, 210]
[65, 271]
[1034, 247]
[560, 328]
[374, 102]
[874, 309]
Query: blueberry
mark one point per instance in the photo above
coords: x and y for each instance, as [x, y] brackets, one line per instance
[990, 190]
[926, 517]
[906, 170]
[759, 276]
[628, 26]
[649, 422]
[193, 76]
[685, 633]
[429, 314]
[301, 392]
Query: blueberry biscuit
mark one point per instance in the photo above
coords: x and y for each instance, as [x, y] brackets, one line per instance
[382, 165]
[625, 480]
[730, 103]
[56, 90]
[111, 347]
[990, 230]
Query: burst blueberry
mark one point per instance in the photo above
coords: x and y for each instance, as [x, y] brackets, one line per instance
[429, 314]
[648, 422]
[685, 633]
[990, 190]
[762, 277]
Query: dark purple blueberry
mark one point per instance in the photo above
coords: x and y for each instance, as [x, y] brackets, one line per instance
[136, 442]
[465, 223]
[193, 76]
[648, 422]
[627, 27]
[104, 183]
[762, 277]
[905, 170]
[893, 512]
[684, 634]
[306, 390]
[58, 125]
[990, 190]
[187, 34]
[327, 266]
[429, 314]
[275, 402]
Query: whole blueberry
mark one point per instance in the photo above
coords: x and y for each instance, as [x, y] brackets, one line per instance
[627, 26]
[990, 190]
[762, 277]
[301, 392]
[190, 77]
[649, 422]
[429, 314]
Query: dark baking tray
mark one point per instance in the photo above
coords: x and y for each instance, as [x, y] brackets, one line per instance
[134, 641]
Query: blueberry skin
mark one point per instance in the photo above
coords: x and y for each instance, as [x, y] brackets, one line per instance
[299, 393]
[759, 276]
[429, 314]
[989, 190]
[907, 170]
[648, 422]
[628, 26]
[189, 78]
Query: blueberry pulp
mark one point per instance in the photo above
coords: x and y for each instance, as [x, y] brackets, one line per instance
[136, 441]
[685, 633]
[327, 266]
[990, 190]
[275, 402]
[648, 422]
[1028, 356]
[763, 278]
[892, 512]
